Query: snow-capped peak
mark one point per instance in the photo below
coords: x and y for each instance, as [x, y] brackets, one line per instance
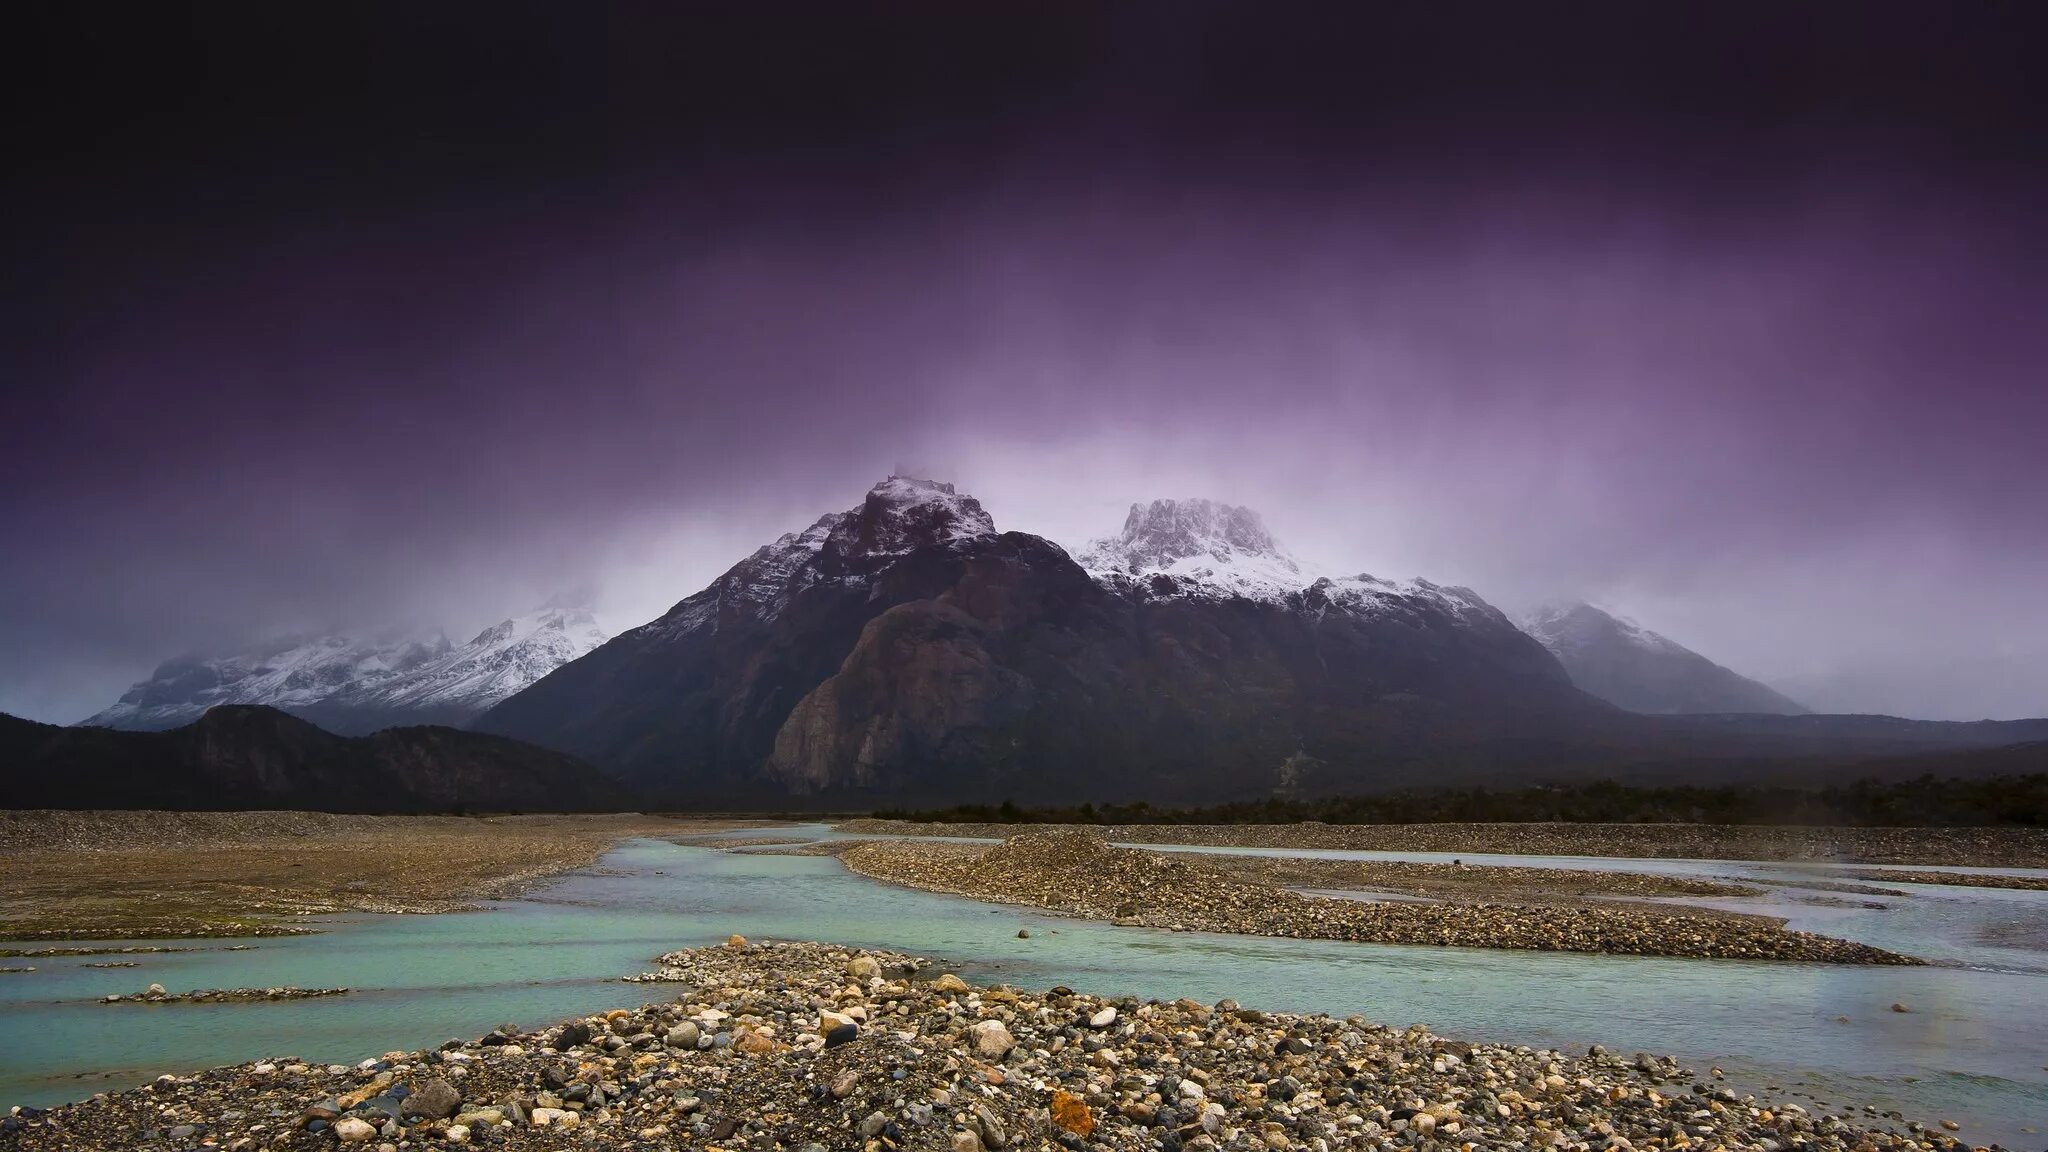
[339, 680]
[898, 516]
[289, 673]
[501, 660]
[1204, 546]
[902, 514]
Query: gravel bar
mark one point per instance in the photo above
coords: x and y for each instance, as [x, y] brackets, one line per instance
[816, 1048]
[1078, 874]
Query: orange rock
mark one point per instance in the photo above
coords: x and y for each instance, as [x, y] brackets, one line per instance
[735, 941]
[1071, 1113]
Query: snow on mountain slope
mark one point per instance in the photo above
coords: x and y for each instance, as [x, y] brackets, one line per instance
[1201, 547]
[1371, 596]
[901, 514]
[1576, 626]
[501, 660]
[1628, 665]
[291, 674]
[898, 516]
[1207, 550]
[352, 686]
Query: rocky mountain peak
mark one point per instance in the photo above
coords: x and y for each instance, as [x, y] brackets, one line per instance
[1167, 530]
[902, 514]
[1204, 545]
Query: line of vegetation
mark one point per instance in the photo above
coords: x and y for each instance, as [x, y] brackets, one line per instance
[1927, 801]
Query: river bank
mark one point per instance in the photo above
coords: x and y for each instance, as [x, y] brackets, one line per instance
[816, 1048]
[1955, 847]
[1078, 874]
[172, 875]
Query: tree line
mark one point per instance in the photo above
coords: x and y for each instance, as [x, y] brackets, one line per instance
[1925, 801]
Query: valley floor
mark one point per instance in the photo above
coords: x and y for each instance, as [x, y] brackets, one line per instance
[1952, 847]
[159, 875]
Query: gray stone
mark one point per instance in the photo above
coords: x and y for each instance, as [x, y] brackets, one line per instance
[991, 1129]
[436, 1099]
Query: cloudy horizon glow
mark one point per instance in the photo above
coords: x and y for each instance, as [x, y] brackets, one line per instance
[1768, 382]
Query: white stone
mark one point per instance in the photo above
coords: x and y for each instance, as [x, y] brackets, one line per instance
[554, 1118]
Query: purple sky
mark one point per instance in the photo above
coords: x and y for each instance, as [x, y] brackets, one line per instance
[1746, 344]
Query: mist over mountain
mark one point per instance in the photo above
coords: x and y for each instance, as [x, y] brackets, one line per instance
[1628, 665]
[1990, 686]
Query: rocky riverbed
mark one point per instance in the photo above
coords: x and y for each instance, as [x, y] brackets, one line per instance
[1969, 847]
[1079, 874]
[814, 1048]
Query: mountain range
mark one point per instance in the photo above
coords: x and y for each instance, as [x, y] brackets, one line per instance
[906, 650]
[353, 686]
[250, 757]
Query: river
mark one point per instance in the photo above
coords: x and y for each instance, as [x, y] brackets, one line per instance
[1973, 1047]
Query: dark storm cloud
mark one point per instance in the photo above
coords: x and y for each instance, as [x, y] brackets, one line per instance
[411, 319]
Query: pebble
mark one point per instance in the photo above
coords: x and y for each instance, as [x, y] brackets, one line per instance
[992, 1040]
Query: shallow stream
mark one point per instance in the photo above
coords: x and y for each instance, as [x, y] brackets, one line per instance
[1973, 1047]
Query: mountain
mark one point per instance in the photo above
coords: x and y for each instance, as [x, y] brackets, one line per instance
[250, 757]
[353, 687]
[1632, 667]
[907, 649]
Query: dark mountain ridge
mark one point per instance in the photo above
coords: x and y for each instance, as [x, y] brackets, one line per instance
[242, 757]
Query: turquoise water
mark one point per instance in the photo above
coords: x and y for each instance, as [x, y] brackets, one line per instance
[1973, 1048]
